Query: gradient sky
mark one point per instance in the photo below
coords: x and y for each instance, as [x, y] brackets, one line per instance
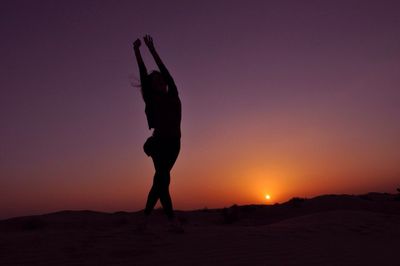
[287, 98]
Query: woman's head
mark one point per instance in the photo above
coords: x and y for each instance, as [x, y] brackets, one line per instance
[157, 82]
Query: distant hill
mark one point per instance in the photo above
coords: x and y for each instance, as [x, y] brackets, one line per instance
[241, 215]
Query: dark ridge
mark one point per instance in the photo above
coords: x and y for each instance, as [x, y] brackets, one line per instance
[252, 214]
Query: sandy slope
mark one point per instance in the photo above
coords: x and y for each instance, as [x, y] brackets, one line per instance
[327, 230]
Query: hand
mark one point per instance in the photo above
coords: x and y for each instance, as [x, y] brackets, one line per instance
[136, 44]
[148, 41]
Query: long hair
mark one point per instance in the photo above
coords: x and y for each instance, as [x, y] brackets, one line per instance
[147, 89]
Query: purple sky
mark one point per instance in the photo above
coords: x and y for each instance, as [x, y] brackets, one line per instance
[297, 97]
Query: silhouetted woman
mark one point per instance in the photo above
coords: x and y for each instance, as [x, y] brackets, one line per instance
[163, 111]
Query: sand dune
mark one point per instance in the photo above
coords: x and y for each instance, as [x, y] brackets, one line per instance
[326, 230]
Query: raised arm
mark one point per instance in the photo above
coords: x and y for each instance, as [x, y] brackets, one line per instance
[142, 67]
[164, 71]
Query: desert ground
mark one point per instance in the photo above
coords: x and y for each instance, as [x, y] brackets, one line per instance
[325, 230]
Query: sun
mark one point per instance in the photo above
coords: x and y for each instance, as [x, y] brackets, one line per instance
[267, 197]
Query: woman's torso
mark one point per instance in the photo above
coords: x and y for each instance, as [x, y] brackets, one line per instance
[164, 113]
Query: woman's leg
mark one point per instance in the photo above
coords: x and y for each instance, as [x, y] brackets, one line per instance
[164, 195]
[163, 158]
[153, 195]
[163, 164]
[159, 190]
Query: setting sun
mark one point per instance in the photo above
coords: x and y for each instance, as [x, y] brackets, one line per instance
[268, 197]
